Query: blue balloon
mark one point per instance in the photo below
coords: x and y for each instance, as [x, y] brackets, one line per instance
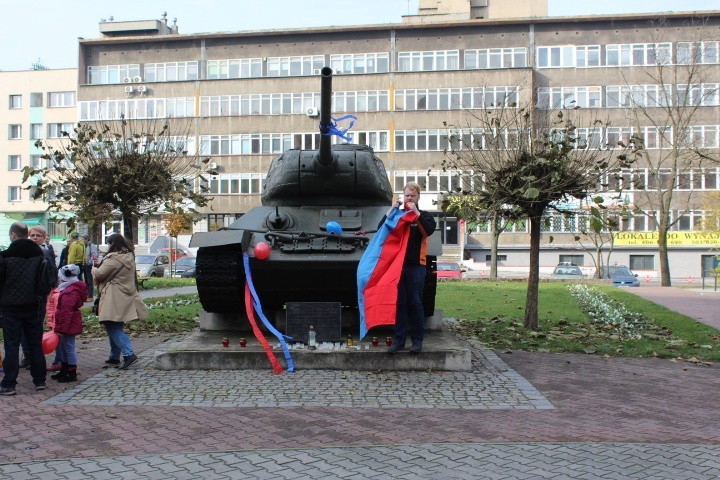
[333, 227]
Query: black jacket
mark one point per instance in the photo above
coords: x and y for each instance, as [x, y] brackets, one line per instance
[24, 278]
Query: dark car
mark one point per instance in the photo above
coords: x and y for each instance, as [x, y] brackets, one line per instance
[570, 272]
[620, 275]
[182, 264]
[189, 273]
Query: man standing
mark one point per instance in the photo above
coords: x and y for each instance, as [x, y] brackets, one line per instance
[23, 280]
[76, 252]
[91, 251]
[410, 288]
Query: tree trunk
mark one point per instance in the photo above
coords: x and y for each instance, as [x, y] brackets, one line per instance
[663, 254]
[531, 302]
[128, 224]
[494, 239]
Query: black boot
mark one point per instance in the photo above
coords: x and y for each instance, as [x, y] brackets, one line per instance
[70, 376]
[62, 373]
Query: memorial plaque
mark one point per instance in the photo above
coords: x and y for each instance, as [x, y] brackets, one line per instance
[324, 316]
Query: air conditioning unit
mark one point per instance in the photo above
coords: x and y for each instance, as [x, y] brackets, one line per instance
[142, 89]
[129, 89]
[312, 112]
[137, 79]
[127, 80]
[316, 71]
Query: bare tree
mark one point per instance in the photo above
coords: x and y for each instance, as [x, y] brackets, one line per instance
[667, 104]
[132, 167]
[524, 162]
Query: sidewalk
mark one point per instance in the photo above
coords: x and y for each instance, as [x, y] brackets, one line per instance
[516, 415]
[702, 305]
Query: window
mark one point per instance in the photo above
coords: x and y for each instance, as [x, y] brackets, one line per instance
[14, 162]
[238, 68]
[61, 99]
[36, 131]
[55, 129]
[495, 58]
[703, 94]
[500, 258]
[14, 132]
[171, 71]
[568, 56]
[36, 161]
[36, 99]
[15, 101]
[577, 260]
[294, 66]
[456, 98]
[14, 194]
[106, 74]
[629, 96]
[429, 61]
[697, 52]
[568, 97]
[623, 55]
[359, 63]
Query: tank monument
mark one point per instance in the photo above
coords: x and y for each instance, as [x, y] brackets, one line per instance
[292, 263]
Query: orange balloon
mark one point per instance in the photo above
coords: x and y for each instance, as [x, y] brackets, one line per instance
[262, 250]
[50, 341]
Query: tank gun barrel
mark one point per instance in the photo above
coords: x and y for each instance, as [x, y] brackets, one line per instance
[325, 153]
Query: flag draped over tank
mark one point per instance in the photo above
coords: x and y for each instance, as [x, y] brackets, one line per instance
[380, 269]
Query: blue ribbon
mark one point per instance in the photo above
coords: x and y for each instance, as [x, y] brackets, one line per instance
[333, 129]
[258, 309]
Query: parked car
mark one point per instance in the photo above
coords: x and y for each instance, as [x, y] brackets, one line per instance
[189, 273]
[181, 265]
[151, 265]
[567, 272]
[176, 253]
[620, 275]
[449, 270]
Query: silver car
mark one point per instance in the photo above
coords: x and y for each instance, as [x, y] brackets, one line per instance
[151, 265]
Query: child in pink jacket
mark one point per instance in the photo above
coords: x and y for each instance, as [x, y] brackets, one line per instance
[71, 295]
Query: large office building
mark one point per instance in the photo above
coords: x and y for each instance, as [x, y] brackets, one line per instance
[248, 96]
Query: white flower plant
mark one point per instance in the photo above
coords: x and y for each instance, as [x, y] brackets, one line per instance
[608, 314]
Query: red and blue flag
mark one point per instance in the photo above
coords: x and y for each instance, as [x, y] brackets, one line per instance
[380, 269]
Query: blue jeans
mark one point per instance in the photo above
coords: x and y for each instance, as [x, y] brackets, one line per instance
[119, 341]
[15, 324]
[410, 306]
[66, 349]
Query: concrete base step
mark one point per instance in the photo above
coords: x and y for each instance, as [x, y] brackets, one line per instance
[203, 350]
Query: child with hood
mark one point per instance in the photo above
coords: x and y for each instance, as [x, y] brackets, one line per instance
[71, 295]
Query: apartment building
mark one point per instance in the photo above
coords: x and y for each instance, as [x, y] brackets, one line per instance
[36, 105]
[248, 96]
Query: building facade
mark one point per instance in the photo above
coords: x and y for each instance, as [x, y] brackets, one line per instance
[248, 96]
[36, 105]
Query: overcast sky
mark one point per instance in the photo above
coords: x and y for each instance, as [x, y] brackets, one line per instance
[47, 31]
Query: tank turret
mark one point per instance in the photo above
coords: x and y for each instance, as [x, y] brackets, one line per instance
[343, 185]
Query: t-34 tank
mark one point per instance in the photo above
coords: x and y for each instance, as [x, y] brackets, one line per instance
[304, 190]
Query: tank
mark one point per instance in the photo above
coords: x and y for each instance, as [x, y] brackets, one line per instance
[304, 191]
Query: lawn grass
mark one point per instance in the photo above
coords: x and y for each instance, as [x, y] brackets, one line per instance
[493, 312]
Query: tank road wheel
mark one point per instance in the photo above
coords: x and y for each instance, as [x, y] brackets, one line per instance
[220, 279]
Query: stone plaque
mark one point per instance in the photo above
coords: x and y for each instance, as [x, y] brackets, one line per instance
[324, 316]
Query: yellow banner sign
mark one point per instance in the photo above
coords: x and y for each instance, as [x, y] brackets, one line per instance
[673, 238]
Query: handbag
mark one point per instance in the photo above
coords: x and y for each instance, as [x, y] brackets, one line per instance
[96, 305]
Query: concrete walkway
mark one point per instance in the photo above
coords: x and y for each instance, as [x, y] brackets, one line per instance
[702, 305]
[517, 415]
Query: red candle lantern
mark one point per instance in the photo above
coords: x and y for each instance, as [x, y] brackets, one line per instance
[225, 342]
[243, 342]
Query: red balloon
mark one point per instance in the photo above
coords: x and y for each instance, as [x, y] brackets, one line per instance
[50, 341]
[262, 250]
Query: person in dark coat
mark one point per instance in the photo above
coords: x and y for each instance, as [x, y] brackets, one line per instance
[23, 281]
